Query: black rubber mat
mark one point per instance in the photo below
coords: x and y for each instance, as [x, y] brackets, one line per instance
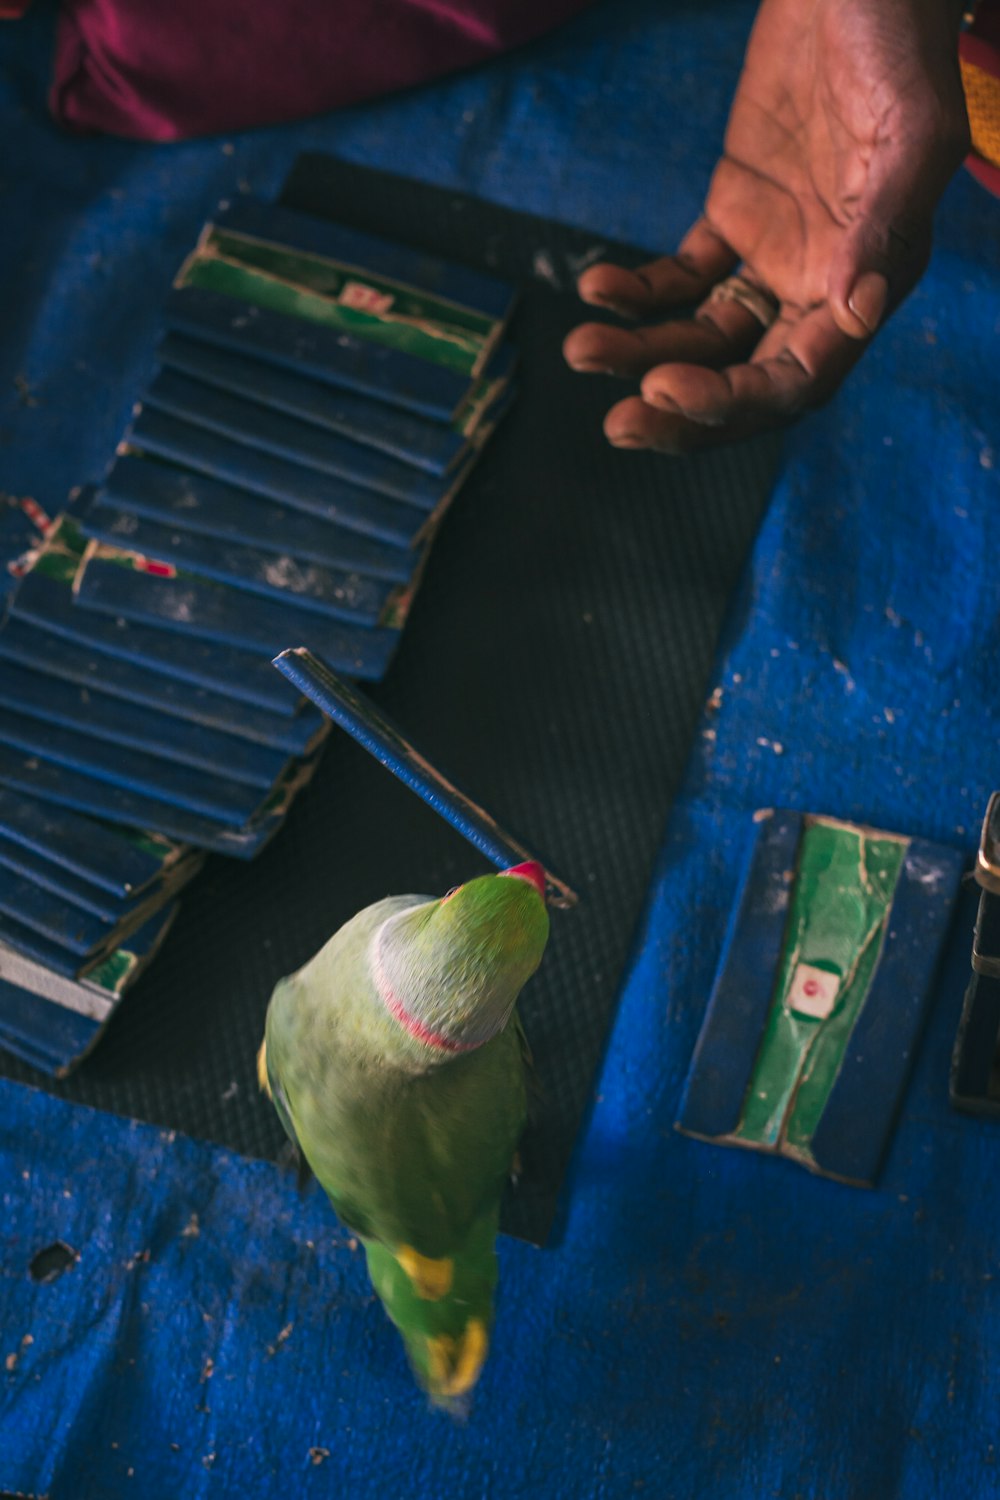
[555, 664]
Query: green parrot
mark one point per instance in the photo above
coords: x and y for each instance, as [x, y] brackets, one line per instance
[396, 1064]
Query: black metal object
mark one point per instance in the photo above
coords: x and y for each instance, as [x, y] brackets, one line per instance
[975, 1065]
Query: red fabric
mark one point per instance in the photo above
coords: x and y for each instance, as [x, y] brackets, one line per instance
[162, 71]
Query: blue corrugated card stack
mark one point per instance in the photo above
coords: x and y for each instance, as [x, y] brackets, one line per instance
[320, 396]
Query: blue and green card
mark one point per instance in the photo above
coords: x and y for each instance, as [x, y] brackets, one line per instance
[821, 992]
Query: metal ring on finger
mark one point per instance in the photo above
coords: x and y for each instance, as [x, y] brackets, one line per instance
[760, 304]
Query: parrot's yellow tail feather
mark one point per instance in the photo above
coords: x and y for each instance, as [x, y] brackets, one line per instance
[431, 1279]
[455, 1363]
[265, 1087]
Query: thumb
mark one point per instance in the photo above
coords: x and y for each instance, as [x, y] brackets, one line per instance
[881, 256]
[884, 251]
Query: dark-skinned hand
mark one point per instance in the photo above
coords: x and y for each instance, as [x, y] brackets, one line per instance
[848, 121]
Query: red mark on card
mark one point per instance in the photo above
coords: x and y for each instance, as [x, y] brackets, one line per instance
[364, 298]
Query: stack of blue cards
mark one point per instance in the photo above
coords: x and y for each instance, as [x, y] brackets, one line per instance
[83, 909]
[320, 396]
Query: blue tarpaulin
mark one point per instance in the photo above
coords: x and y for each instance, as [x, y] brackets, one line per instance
[713, 1324]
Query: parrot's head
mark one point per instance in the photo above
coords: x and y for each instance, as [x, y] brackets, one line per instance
[451, 970]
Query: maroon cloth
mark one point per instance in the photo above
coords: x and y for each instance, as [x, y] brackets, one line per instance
[161, 70]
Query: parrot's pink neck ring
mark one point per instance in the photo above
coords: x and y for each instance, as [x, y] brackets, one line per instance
[411, 1023]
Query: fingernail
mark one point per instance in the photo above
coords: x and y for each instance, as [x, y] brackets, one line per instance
[868, 298]
[590, 367]
[659, 399]
[706, 417]
[627, 440]
[596, 299]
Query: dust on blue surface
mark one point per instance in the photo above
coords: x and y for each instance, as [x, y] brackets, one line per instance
[714, 1324]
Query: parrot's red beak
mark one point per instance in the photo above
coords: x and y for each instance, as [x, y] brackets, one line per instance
[531, 871]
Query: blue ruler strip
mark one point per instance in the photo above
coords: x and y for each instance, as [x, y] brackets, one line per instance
[32, 646]
[194, 607]
[333, 500]
[90, 850]
[270, 574]
[477, 291]
[325, 354]
[212, 796]
[258, 426]
[238, 674]
[372, 729]
[196, 503]
[429, 446]
[135, 727]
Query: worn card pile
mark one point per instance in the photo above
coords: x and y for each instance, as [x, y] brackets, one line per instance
[319, 398]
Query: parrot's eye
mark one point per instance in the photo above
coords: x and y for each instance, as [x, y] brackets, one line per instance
[453, 892]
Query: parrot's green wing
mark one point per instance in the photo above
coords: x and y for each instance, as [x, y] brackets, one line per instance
[274, 1091]
[395, 1061]
[419, 1174]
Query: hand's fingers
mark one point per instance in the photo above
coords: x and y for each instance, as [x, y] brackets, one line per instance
[720, 333]
[634, 424]
[702, 259]
[796, 366]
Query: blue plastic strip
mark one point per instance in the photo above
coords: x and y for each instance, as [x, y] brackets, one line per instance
[31, 646]
[380, 737]
[234, 673]
[213, 796]
[272, 575]
[334, 500]
[93, 852]
[196, 503]
[428, 446]
[257, 426]
[325, 354]
[193, 607]
[38, 696]
[475, 290]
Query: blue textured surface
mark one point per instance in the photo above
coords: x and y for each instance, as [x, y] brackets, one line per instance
[714, 1324]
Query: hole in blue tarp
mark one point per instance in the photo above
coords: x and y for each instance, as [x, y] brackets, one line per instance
[50, 1263]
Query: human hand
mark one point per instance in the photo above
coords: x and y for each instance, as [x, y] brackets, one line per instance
[848, 120]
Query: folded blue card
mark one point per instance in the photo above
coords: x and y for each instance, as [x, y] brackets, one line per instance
[196, 607]
[388, 259]
[258, 426]
[211, 795]
[335, 500]
[135, 727]
[123, 865]
[188, 501]
[430, 446]
[325, 354]
[353, 597]
[56, 656]
[47, 602]
[47, 781]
